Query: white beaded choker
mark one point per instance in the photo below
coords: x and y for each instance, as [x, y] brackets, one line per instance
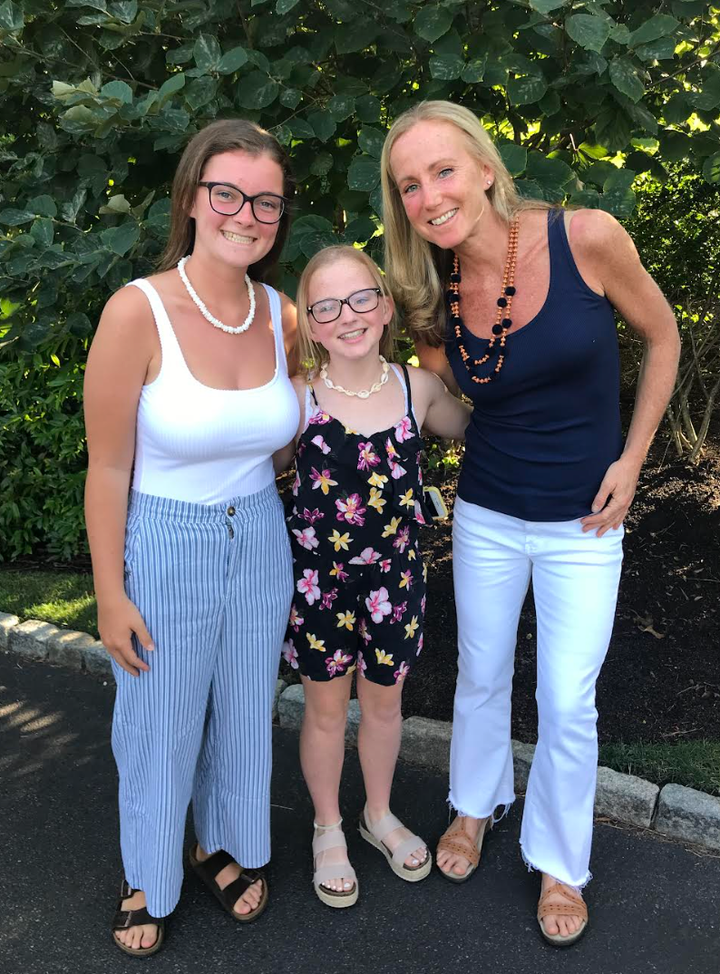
[203, 309]
[363, 393]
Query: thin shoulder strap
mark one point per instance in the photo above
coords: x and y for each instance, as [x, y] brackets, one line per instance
[276, 317]
[169, 344]
[408, 390]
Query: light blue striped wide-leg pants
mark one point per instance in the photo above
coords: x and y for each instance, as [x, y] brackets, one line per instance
[213, 584]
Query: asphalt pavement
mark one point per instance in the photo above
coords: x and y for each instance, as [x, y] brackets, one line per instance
[654, 905]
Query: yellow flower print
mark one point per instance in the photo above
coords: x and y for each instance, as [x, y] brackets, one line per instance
[383, 657]
[317, 643]
[351, 432]
[346, 619]
[407, 499]
[339, 540]
[322, 479]
[377, 480]
[424, 573]
[412, 554]
[392, 527]
[411, 628]
[376, 500]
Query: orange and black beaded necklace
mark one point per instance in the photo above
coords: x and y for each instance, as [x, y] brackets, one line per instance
[503, 321]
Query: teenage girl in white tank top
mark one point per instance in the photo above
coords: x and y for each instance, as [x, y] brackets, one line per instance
[187, 393]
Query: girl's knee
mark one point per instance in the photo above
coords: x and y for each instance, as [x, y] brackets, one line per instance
[381, 708]
[328, 716]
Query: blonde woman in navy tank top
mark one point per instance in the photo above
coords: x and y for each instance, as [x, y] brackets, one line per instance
[512, 303]
[187, 395]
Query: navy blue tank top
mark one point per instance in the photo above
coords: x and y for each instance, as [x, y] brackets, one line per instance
[545, 430]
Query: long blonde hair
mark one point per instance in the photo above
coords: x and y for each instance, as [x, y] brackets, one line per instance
[312, 354]
[416, 269]
[225, 135]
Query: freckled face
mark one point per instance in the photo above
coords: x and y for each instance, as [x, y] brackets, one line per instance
[354, 334]
[238, 240]
[441, 184]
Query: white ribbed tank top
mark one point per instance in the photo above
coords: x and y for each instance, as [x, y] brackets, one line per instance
[203, 445]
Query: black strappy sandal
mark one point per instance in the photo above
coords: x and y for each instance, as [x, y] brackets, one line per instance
[125, 919]
[228, 897]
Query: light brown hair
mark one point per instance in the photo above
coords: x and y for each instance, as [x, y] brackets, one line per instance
[226, 135]
[312, 354]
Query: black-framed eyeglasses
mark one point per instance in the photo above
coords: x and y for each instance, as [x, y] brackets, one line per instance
[229, 200]
[331, 308]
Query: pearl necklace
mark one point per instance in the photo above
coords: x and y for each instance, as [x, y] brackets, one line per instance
[203, 309]
[363, 393]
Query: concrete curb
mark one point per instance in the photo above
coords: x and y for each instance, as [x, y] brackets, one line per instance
[678, 812]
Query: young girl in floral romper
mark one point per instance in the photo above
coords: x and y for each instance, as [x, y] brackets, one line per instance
[359, 579]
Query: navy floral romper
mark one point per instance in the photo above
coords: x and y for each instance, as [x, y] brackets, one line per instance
[359, 579]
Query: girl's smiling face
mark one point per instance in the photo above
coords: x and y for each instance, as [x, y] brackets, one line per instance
[238, 240]
[354, 334]
[442, 185]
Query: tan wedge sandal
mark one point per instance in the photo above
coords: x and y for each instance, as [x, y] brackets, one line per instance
[458, 841]
[375, 835]
[327, 837]
[574, 907]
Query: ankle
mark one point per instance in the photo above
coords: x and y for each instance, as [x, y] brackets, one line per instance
[373, 813]
[328, 824]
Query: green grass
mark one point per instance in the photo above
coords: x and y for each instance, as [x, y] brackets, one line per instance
[67, 599]
[695, 764]
[63, 598]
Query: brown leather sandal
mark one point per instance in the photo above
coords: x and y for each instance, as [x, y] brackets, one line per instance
[457, 841]
[209, 869]
[125, 919]
[575, 907]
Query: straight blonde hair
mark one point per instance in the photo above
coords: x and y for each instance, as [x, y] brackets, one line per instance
[313, 355]
[417, 271]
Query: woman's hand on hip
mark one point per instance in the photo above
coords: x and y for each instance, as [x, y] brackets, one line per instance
[117, 623]
[613, 499]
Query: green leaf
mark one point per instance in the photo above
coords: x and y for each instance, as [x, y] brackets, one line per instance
[200, 92]
[432, 22]
[12, 217]
[474, 70]
[364, 173]
[371, 141]
[232, 61]
[285, 6]
[367, 108]
[290, 97]
[125, 10]
[43, 230]
[341, 106]
[360, 230]
[623, 75]
[170, 87]
[548, 172]
[675, 146]
[546, 6]
[80, 120]
[43, 206]
[588, 31]
[257, 90]
[207, 52]
[514, 156]
[526, 91]
[550, 103]
[301, 128]
[613, 129]
[78, 324]
[618, 197]
[446, 67]
[709, 97]
[677, 110]
[116, 204]
[118, 91]
[121, 239]
[663, 49]
[323, 124]
[711, 168]
[350, 38]
[11, 17]
[322, 164]
[658, 26]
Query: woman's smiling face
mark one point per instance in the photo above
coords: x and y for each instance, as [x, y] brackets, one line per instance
[441, 183]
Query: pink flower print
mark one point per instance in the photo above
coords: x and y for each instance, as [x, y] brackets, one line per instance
[385, 564]
[398, 611]
[350, 509]
[296, 485]
[403, 430]
[401, 672]
[420, 644]
[306, 538]
[419, 514]
[290, 654]
[296, 620]
[328, 598]
[368, 457]
[423, 603]
[322, 480]
[378, 604]
[319, 418]
[338, 570]
[419, 469]
[361, 664]
[320, 443]
[308, 586]
[396, 470]
[406, 579]
[312, 516]
[362, 630]
[402, 539]
[368, 556]
[392, 453]
[337, 662]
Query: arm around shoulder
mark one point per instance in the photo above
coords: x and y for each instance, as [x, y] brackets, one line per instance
[444, 414]
[289, 321]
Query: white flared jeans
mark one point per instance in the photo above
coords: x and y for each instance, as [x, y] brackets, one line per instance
[575, 580]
